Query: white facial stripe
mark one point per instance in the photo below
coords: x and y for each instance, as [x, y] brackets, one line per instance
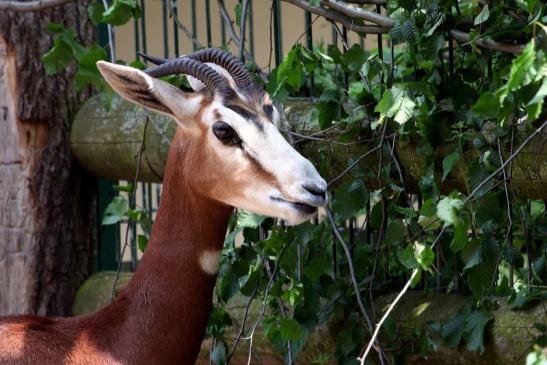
[253, 191]
[208, 261]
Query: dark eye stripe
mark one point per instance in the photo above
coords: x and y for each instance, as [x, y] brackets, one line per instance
[248, 115]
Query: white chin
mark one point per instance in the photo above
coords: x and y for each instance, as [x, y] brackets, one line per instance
[294, 217]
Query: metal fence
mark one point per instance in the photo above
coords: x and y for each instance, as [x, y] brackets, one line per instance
[171, 28]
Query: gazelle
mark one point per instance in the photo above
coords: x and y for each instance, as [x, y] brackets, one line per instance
[227, 152]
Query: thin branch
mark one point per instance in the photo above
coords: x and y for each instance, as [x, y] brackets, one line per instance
[352, 165]
[346, 14]
[367, 2]
[339, 18]
[384, 317]
[171, 5]
[356, 12]
[133, 188]
[466, 201]
[230, 26]
[351, 269]
[31, 5]
[463, 37]
[504, 164]
[242, 328]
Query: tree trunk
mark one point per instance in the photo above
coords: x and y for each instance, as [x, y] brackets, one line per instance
[46, 200]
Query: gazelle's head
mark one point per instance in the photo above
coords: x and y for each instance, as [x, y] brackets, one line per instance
[235, 153]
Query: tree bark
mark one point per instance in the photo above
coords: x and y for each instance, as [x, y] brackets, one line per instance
[46, 200]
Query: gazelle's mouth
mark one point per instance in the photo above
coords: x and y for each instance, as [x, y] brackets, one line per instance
[301, 207]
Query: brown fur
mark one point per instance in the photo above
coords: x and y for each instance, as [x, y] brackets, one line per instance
[161, 316]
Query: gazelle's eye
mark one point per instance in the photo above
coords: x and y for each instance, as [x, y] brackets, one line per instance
[226, 134]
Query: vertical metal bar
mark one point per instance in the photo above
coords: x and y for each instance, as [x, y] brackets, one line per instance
[175, 28]
[309, 45]
[208, 23]
[345, 38]
[457, 270]
[380, 39]
[165, 31]
[345, 46]
[450, 57]
[194, 23]
[133, 232]
[143, 27]
[438, 263]
[222, 28]
[334, 255]
[351, 234]
[137, 38]
[510, 244]
[309, 30]
[251, 28]
[278, 46]
[108, 237]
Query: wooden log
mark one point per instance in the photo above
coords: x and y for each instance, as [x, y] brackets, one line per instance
[107, 144]
[507, 337]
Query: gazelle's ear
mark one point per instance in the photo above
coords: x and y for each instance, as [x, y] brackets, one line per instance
[136, 86]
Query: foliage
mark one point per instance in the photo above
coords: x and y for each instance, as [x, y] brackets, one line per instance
[67, 51]
[456, 106]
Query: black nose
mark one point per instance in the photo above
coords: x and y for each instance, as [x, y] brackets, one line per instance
[315, 191]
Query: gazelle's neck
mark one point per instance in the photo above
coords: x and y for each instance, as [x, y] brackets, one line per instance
[166, 305]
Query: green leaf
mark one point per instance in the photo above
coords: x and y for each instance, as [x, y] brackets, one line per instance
[471, 254]
[237, 12]
[522, 71]
[95, 12]
[58, 57]
[448, 210]
[219, 353]
[487, 106]
[316, 268]
[452, 331]
[534, 106]
[55, 28]
[290, 329]
[396, 232]
[142, 242]
[474, 329]
[119, 12]
[350, 197]
[116, 211]
[424, 255]
[449, 162]
[460, 238]
[406, 257]
[126, 188]
[483, 15]
[290, 71]
[249, 220]
[428, 208]
[396, 104]
[480, 277]
[354, 58]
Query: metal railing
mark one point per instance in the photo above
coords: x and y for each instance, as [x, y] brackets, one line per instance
[169, 28]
